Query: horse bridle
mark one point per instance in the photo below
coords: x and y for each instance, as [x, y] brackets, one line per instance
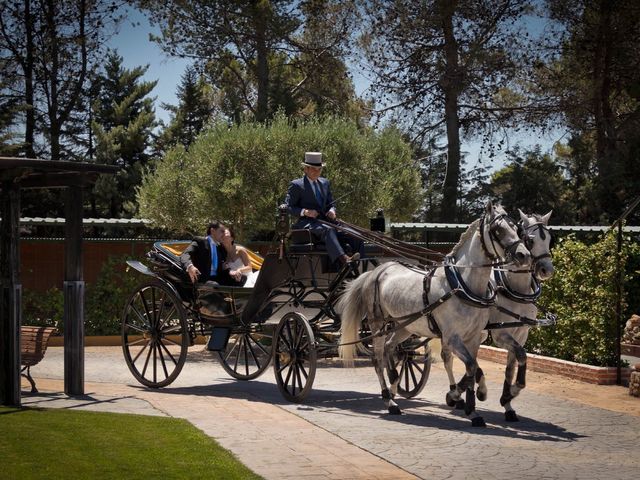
[494, 238]
[523, 233]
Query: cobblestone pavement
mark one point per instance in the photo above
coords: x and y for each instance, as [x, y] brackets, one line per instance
[342, 431]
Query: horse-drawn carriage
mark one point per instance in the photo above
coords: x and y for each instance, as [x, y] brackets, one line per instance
[289, 316]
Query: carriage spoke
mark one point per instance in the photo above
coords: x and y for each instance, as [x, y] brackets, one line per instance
[144, 320]
[135, 327]
[233, 349]
[161, 310]
[164, 347]
[246, 355]
[146, 362]
[146, 309]
[256, 341]
[172, 311]
[164, 366]
[253, 355]
[142, 350]
[241, 345]
[155, 362]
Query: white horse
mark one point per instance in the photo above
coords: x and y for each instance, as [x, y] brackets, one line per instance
[517, 293]
[448, 302]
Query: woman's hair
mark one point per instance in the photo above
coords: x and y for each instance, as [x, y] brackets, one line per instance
[233, 235]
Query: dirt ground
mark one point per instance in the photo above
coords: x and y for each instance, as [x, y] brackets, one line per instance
[610, 397]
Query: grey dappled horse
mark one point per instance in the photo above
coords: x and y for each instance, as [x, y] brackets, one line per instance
[517, 292]
[448, 301]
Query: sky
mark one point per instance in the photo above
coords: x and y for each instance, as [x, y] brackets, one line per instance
[133, 44]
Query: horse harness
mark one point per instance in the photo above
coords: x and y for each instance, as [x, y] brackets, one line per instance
[460, 289]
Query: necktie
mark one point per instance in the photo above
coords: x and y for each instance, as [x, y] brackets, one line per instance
[318, 194]
[214, 258]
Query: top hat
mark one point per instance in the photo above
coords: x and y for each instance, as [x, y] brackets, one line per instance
[313, 159]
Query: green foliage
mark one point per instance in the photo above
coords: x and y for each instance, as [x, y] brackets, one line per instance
[105, 298]
[583, 295]
[104, 301]
[109, 446]
[240, 174]
[43, 309]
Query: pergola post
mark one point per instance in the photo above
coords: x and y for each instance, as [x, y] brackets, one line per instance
[73, 294]
[10, 303]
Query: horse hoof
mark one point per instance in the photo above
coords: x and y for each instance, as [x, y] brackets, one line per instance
[450, 401]
[511, 416]
[460, 405]
[478, 422]
[394, 410]
[482, 396]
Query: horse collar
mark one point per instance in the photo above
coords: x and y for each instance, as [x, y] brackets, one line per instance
[463, 291]
[503, 287]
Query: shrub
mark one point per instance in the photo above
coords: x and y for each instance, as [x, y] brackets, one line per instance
[583, 295]
[105, 298]
[240, 174]
[104, 301]
[43, 309]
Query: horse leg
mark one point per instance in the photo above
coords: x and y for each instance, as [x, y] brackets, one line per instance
[510, 390]
[378, 365]
[453, 397]
[467, 383]
[395, 339]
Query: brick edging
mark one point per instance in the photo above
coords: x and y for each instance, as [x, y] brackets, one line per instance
[577, 371]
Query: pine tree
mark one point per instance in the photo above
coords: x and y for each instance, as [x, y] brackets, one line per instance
[123, 122]
[194, 111]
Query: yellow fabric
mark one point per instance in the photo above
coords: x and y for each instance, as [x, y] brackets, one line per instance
[255, 259]
[177, 249]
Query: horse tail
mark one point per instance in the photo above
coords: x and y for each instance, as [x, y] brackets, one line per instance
[352, 307]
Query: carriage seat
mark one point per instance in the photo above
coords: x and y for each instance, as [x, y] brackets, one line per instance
[302, 241]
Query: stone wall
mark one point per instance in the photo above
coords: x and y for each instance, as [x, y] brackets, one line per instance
[577, 371]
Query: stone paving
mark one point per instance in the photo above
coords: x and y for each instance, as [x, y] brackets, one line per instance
[343, 431]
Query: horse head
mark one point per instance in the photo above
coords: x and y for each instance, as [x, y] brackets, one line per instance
[534, 232]
[499, 235]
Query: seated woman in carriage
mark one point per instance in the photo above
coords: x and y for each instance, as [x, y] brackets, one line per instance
[238, 261]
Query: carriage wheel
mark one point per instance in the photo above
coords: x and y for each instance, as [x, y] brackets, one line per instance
[247, 354]
[365, 347]
[155, 336]
[415, 366]
[294, 357]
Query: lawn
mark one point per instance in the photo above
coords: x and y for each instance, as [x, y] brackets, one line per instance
[66, 444]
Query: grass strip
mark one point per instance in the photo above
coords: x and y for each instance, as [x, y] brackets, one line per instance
[65, 444]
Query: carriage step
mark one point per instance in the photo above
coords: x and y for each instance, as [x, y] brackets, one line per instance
[218, 339]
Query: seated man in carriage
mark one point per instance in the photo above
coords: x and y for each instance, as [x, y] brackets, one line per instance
[204, 259]
[309, 199]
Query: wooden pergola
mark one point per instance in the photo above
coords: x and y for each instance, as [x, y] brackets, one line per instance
[17, 174]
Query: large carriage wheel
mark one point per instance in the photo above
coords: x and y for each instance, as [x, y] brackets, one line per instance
[294, 357]
[415, 366]
[155, 336]
[247, 354]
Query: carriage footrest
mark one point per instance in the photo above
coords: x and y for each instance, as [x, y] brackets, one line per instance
[218, 339]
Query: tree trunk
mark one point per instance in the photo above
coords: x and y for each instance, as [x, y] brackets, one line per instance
[30, 114]
[609, 178]
[451, 84]
[262, 63]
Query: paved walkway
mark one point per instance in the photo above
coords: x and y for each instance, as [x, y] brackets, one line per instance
[343, 432]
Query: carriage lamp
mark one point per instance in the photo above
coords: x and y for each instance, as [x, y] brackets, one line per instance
[282, 221]
[377, 223]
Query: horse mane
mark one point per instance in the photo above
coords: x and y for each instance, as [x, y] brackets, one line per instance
[468, 233]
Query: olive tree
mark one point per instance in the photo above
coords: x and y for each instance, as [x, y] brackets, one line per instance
[240, 174]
